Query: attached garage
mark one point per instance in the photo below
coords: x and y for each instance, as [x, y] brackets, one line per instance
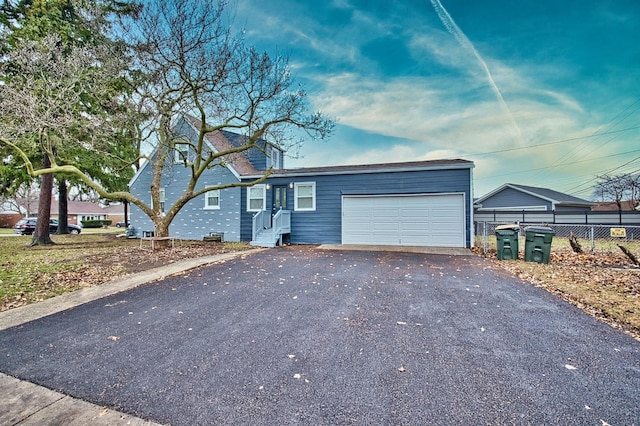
[421, 203]
[404, 220]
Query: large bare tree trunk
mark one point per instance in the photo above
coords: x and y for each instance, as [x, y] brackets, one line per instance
[63, 211]
[126, 213]
[41, 234]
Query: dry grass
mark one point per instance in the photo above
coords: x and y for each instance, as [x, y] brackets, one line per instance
[30, 274]
[604, 284]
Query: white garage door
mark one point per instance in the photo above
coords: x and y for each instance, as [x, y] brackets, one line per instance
[404, 220]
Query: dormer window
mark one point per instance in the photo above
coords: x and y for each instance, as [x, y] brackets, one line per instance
[275, 158]
[181, 153]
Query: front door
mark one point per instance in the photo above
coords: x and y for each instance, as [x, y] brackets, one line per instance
[279, 198]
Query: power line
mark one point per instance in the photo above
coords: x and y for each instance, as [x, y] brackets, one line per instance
[559, 165]
[607, 171]
[552, 143]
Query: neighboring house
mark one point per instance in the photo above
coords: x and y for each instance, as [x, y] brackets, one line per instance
[610, 206]
[9, 216]
[514, 197]
[425, 203]
[115, 213]
[77, 211]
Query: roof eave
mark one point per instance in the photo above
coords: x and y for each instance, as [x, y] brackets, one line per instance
[345, 170]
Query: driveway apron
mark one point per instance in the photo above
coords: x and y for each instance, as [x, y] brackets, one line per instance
[299, 335]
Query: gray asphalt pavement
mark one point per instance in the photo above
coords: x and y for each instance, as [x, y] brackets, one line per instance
[299, 335]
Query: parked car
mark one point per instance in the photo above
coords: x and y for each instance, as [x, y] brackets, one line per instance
[120, 224]
[27, 225]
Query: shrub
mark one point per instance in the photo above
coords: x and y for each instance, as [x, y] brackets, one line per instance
[95, 223]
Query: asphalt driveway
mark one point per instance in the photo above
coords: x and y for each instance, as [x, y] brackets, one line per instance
[305, 336]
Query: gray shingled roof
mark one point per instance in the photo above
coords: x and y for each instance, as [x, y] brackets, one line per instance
[371, 168]
[551, 195]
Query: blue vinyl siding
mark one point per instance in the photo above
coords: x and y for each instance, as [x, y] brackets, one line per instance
[324, 225]
[510, 198]
[193, 221]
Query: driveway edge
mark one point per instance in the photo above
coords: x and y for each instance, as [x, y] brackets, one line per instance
[24, 314]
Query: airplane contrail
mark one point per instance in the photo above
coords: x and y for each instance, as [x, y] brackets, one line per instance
[464, 41]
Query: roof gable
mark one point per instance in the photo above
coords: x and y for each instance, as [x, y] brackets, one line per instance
[217, 141]
[550, 195]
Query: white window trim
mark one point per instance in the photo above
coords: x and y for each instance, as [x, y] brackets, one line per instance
[264, 198]
[297, 185]
[206, 200]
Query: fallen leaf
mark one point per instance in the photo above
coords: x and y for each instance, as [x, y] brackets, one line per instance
[570, 367]
[402, 369]
[114, 338]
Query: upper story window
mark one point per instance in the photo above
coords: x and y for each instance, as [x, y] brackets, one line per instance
[212, 199]
[305, 196]
[256, 196]
[275, 158]
[181, 153]
[161, 196]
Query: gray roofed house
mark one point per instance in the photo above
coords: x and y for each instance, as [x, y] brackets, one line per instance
[516, 197]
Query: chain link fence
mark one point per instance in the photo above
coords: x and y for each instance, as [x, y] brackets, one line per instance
[592, 238]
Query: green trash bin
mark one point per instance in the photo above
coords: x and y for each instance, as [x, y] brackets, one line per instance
[537, 246]
[507, 241]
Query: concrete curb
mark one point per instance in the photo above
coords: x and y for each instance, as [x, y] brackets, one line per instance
[24, 403]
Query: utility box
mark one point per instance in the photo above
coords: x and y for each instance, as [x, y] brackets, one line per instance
[507, 241]
[537, 246]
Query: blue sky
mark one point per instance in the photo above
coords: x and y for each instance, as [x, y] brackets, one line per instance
[543, 93]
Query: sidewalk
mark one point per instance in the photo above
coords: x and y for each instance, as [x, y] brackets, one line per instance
[25, 403]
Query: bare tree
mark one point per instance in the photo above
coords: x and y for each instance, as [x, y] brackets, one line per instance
[618, 188]
[195, 65]
[633, 181]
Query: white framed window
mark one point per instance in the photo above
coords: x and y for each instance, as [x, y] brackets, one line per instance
[212, 200]
[256, 196]
[181, 153]
[304, 196]
[275, 157]
[161, 196]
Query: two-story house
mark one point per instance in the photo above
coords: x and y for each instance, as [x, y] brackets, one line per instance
[422, 203]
